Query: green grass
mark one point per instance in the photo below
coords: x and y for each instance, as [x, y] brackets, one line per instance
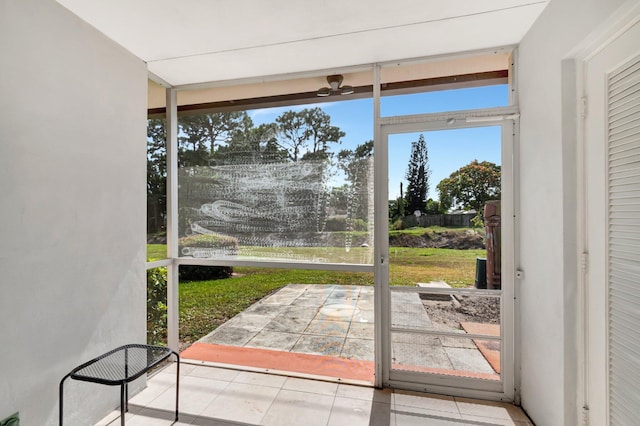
[156, 252]
[408, 266]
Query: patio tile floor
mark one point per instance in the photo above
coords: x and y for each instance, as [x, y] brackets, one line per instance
[211, 396]
[337, 321]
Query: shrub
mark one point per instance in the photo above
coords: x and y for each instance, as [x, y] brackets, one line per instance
[397, 225]
[204, 273]
[339, 223]
[360, 225]
[205, 245]
[157, 306]
[478, 220]
[335, 224]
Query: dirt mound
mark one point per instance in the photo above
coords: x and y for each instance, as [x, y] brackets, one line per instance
[481, 309]
[446, 239]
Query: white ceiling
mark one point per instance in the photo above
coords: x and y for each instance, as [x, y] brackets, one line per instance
[196, 41]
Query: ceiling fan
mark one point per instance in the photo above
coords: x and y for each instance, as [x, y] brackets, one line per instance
[334, 86]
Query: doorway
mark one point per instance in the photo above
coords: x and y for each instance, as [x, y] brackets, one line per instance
[447, 302]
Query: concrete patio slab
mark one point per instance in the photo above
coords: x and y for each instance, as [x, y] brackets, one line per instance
[319, 345]
[357, 349]
[468, 359]
[359, 330]
[321, 327]
[288, 324]
[278, 340]
[233, 336]
[412, 355]
[330, 320]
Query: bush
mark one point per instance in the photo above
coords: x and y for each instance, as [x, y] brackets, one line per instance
[397, 225]
[336, 224]
[157, 306]
[478, 220]
[360, 225]
[339, 223]
[206, 245]
[204, 273]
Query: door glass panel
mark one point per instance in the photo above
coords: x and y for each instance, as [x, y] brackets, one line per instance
[444, 253]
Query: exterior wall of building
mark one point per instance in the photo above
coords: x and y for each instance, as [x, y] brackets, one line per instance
[548, 222]
[72, 215]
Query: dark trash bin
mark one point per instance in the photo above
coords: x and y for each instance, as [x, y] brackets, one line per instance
[481, 272]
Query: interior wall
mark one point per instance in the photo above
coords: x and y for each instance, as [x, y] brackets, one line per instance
[72, 216]
[548, 170]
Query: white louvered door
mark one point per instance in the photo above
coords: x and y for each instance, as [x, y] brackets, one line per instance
[624, 242]
[612, 161]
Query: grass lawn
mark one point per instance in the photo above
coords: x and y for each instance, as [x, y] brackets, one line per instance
[156, 252]
[411, 265]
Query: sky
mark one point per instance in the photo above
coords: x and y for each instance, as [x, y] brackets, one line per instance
[448, 149]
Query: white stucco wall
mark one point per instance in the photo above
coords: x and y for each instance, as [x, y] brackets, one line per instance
[548, 205]
[72, 208]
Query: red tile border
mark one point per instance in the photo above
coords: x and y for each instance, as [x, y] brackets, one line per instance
[320, 365]
[487, 347]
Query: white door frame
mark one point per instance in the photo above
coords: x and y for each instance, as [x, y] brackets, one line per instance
[590, 408]
[507, 118]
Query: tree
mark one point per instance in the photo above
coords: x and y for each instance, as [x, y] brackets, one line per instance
[432, 207]
[321, 132]
[306, 134]
[254, 145]
[397, 208]
[471, 186]
[205, 133]
[156, 174]
[417, 175]
[355, 165]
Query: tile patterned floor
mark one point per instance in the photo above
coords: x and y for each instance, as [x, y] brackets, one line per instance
[338, 321]
[215, 397]
[322, 320]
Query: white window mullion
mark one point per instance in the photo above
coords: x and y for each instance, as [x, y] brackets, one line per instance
[172, 219]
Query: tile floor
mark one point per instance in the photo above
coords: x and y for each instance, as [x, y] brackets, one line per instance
[215, 396]
[337, 321]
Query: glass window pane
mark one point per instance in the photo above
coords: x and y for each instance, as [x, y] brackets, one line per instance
[445, 100]
[294, 187]
[156, 189]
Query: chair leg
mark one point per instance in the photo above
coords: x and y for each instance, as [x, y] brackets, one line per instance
[177, 383]
[122, 404]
